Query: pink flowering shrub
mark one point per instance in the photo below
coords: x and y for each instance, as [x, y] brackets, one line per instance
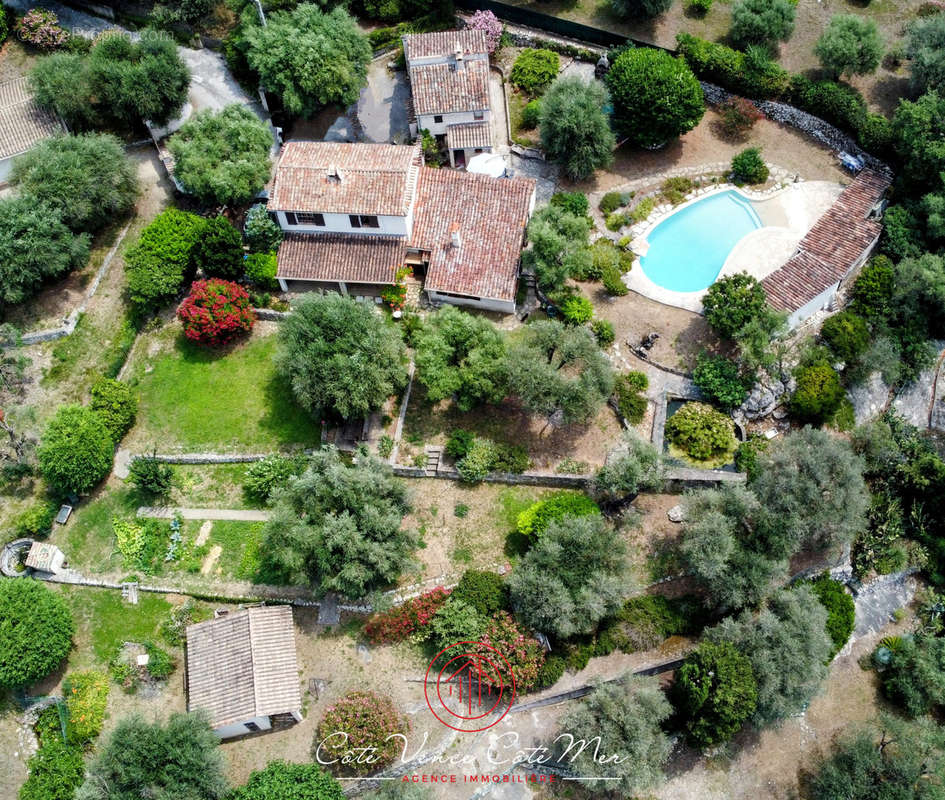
[402, 621]
[40, 28]
[366, 719]
[488, 23]
[216, 311]
[523, 652]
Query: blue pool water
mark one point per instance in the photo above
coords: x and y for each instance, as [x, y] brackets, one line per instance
[688, 248]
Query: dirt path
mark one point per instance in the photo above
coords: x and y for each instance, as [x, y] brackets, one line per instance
[236, 514]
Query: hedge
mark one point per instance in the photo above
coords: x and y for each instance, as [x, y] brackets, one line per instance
[534, 519]
[841, 611]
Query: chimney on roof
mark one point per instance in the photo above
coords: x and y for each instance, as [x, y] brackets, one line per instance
[458, 56]
[455, 239]
[333, 172]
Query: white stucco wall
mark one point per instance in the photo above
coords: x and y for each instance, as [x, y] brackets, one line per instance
[239, 728]
[425, 121]
[6, 164]
[486, 304]
[339, 223]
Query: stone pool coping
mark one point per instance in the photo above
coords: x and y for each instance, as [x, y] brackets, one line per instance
[759, 253]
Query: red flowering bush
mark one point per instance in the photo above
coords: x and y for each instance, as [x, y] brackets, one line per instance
[403, 621]
[523, 652]
[216, 312]
[40, 28]
[359, 720]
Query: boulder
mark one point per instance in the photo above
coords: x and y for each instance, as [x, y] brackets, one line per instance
[676, 513]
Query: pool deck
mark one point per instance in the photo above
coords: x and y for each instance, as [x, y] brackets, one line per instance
[787, 213]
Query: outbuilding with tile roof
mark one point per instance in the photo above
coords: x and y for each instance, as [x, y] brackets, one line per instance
[242, 669]
[22, 124]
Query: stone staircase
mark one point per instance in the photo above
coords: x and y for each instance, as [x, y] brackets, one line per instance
[433, 455]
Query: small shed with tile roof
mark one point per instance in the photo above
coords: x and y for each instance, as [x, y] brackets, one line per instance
[242, 669]
[22, 123]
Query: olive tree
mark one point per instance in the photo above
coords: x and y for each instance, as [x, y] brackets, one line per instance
[338, 527]
[310, 58]
[88, 179]
[634, 465]
[559, 372]
[850, 45]
[811, 489]
[339, 357]
[572, 577]
[463, 356]
[762, 21]
[627, 715]
[222, 157]
[574, 129]
[35, 247]
[925, 49]
[559, 246]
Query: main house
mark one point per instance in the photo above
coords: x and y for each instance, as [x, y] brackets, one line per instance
[449, 81]
[354, 214]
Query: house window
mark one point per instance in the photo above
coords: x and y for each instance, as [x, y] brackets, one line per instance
[478, 149]
[363, 221]
[478, 115]
[305, 218]
[252, 727]
[438, 118]
[290, 218]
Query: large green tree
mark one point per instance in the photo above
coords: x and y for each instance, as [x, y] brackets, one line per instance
[892, 759]
[714, 693]
[575, 131]
[788, 647]
[340, 357]
[656, 97]
[925, 49]
[35, 247]
[284, 781]
[627, 715]
[338, 527]
[850, 45]
[176, 760]
[35, 632]
[724, 549]
[558, 371]
[559, 246]
[88, 179]
[919, 129]
[811, 489]
[310, 58]
[222, 157]
[76, 450]
[732, 302]
[463, 356]
[573, 576]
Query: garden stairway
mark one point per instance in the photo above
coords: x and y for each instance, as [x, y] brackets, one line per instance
[433, 459]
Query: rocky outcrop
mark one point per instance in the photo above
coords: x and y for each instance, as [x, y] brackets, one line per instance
[764, 399]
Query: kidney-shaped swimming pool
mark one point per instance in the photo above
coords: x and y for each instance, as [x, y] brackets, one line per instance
[688, 249]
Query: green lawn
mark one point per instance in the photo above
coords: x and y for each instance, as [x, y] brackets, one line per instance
[103, 621]
[203, 398]
[210, 486]
[88, 539]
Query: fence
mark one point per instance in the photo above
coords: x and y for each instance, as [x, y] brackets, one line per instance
[546, 22]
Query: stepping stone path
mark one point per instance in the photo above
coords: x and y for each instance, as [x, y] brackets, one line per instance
[211, 559]
[203, 534]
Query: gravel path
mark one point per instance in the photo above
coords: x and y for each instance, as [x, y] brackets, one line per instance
[876, 603]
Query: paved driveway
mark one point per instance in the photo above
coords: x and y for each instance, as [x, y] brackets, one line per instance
[382, 107]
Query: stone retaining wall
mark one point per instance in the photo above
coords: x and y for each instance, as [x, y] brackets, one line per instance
[821, 130]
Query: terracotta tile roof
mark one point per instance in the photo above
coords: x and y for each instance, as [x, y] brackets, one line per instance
[243, 665]
[829, 249]
[374, 178]
[443, 43]
[489, 214]
[468, 135]
[441, 89]
[340, 257]
[22, 122]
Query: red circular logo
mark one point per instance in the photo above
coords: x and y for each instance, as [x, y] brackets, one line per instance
[468, 682]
